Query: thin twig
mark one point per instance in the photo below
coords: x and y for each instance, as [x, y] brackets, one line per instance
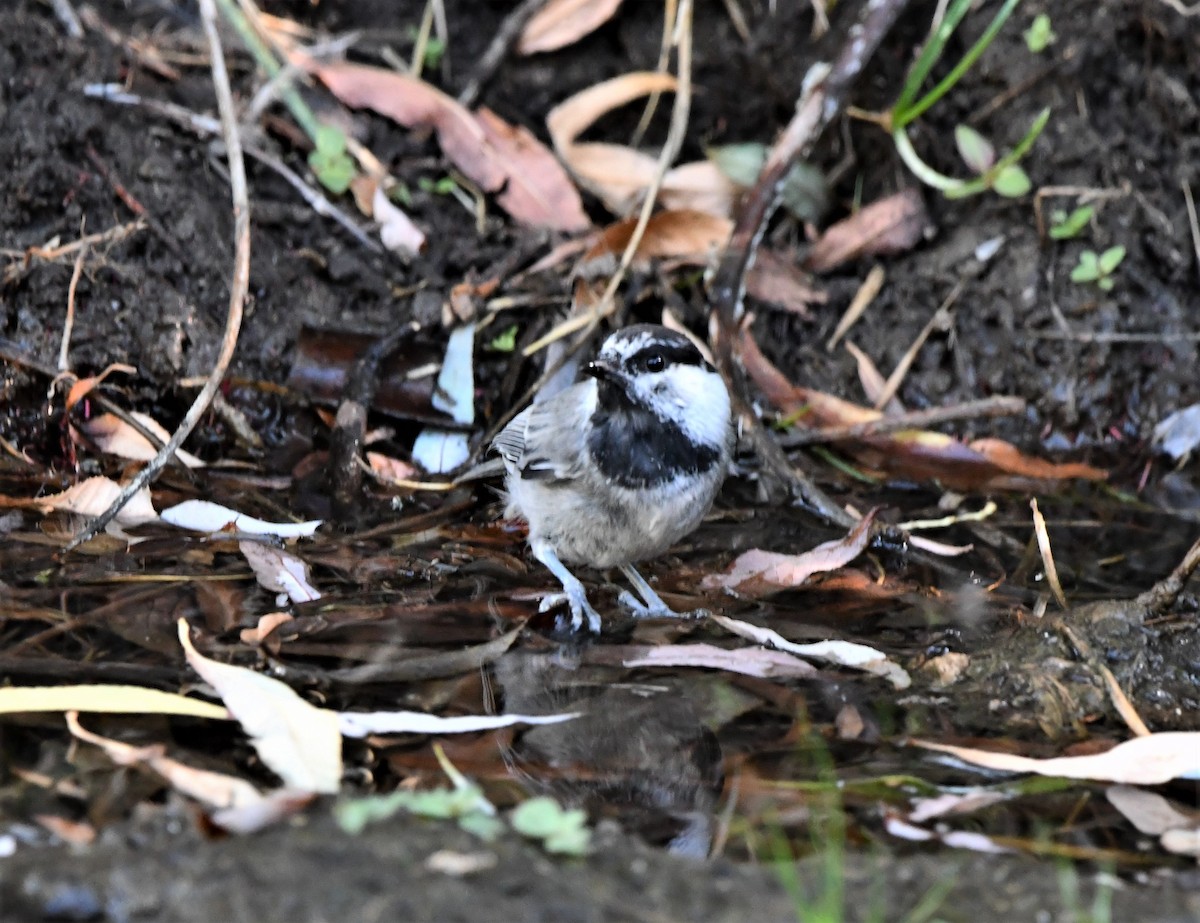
[238, 286]
[675, 135]
[1083, 336]
[940, 319]
[1192, 222]
[66, 15]
[205, 126]
[69, 322]
[999, 406]
[824, 93]
[506, 36]
[135, 206]
[1185, 11]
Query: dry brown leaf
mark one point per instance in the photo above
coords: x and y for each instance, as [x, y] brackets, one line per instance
[77, 833]
[266, 624]
[563, 22]
[84, 385]
[894, 224]
[912, 453]
[1011, 460]
[778, 281]
[757, 572]
[389, 470]
[500, 158]
[113, 435]
[688, 235]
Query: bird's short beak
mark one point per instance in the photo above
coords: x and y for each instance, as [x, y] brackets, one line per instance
[605, 371]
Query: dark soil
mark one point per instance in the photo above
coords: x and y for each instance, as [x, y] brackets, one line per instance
[1098, 369]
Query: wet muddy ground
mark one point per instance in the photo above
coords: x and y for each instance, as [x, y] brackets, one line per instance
[793, 783]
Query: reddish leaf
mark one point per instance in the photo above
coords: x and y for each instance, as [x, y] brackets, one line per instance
[531, 184]
[757, 572]
[891, 225]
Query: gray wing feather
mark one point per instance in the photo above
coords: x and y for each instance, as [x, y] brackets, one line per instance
[545, 441]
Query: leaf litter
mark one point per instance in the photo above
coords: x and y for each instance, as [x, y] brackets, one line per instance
[415, 637]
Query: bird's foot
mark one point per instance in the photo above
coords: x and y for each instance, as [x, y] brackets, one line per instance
[578, 604]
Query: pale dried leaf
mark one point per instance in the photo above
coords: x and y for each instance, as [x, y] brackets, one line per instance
[271, 808]
[615, 174]
[758, 572]
[360, 724]
[297, 741]
[206, 516]
[396, 230]
[1182, 842]
[215, 789]
[279, 571]
[700, 186]
[109, 699]
[563, 22]
[95, 495]
[954, 803]
[749, 661]
[1150, 812]
[842, 653]
[574, 115]
[1150, 760]
[894, 224]
[113, 435]
[873, 382]
[689, 235]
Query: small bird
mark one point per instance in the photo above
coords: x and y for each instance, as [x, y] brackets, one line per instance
[618, 467]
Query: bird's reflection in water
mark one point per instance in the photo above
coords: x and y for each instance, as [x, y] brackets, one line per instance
[638, 751]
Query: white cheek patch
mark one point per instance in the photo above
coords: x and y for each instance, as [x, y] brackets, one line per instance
[696, 401]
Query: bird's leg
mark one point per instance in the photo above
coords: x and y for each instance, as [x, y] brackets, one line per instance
[654, 607]
[573, 592]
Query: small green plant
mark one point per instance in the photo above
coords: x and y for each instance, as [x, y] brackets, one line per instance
[998, 174]
[506, 342]
[443, 186]
[1039, 36]
[329, 160]
[464, 803]
[1098, 268]
[1065, 225]
[978, 154]
[561, 831]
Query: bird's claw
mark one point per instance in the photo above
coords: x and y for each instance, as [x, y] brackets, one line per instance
[579, 606]
[640, 610]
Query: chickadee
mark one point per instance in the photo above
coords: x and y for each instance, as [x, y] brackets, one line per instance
[617, 468]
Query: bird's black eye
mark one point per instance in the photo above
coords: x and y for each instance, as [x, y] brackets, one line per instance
[655, 363]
